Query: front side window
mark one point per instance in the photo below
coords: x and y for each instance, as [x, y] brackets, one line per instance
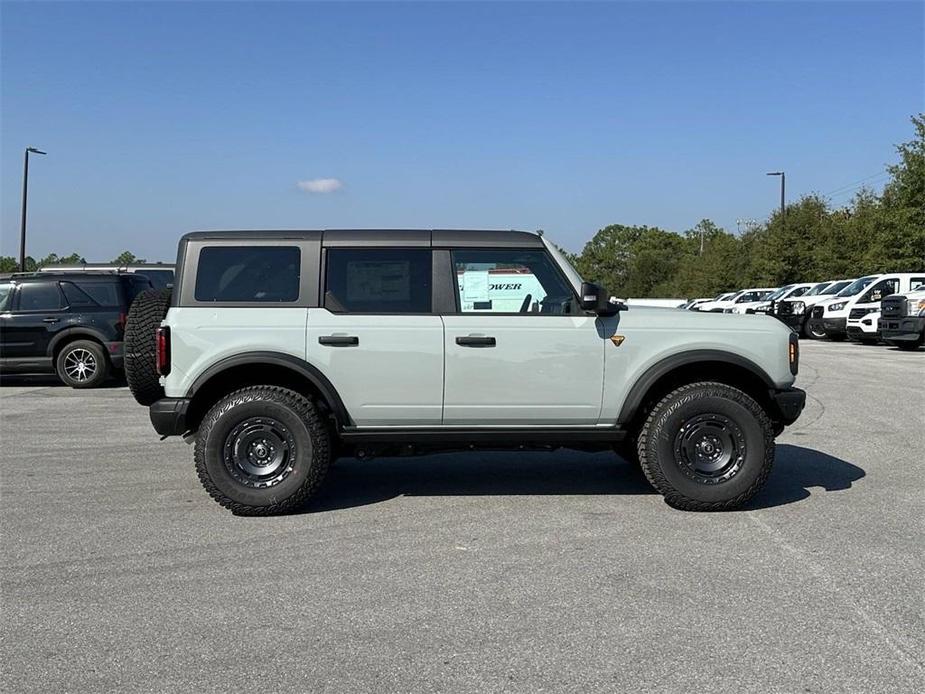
[511, 281]
[40, 296]
[264, 274]
[799, 291]
[378, 280]
[879, 291]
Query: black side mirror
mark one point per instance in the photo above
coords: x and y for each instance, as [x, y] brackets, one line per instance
[595, 298]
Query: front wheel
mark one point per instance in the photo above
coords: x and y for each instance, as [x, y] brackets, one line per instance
[815, 330]
[262, 450]
[707, 447]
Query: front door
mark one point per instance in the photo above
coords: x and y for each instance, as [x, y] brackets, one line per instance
[519, 351]
[376, 338]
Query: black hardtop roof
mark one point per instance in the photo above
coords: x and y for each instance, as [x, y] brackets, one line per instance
[380, 237]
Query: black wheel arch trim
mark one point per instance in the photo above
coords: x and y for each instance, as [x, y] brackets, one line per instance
[300, 366]
[650, 377]
[78, 333]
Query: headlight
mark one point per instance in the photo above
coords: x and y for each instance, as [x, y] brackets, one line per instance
[836, 307]
[797, 308]
[731, 310]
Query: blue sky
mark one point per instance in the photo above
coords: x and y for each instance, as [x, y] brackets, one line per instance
[165, 117]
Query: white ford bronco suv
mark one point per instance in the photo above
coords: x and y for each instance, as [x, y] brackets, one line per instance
[278, 351]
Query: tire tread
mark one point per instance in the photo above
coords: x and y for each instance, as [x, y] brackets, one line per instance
[656, 477]
[318, 432]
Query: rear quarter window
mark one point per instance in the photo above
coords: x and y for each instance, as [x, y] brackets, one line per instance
[102, 293]
[259, 274]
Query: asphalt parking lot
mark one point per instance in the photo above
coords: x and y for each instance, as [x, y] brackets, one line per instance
[479, 572]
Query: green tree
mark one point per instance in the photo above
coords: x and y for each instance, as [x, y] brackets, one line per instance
[127, 258]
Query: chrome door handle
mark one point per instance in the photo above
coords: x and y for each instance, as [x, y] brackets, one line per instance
[475, 341]
[338, 340]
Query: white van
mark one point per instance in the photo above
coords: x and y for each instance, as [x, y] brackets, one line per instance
[829, 317]
[790, 291]
[864, 309]
[744, 296]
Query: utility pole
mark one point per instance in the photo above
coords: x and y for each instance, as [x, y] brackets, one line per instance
[25, 196]
[783, 208]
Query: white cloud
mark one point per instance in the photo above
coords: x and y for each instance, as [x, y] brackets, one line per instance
[320, 185]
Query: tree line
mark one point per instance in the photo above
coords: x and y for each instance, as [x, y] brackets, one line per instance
[10, 264]
[811, 241]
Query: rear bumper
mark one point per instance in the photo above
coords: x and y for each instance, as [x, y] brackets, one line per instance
[168, 415]
[905, 329]
[116, 352]
[835, 326]
[788, 403]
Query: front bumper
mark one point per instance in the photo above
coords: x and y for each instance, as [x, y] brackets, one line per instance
[168, 415]
[788, 403]
[835, 326]
[905, 329]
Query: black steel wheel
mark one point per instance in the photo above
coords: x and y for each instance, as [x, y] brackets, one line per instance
[262, 450]
[707, 447]
[710, 448]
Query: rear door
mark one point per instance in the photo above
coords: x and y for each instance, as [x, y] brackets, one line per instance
[519, 352]
[38, 312]
[376, 336]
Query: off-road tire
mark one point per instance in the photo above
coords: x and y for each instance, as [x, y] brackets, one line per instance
[309, 461]
[145, 315]
[86, 352]
[665, 472]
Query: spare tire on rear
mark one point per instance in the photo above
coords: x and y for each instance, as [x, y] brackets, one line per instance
[145, 315]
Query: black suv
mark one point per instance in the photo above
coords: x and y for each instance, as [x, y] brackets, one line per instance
[72, 323]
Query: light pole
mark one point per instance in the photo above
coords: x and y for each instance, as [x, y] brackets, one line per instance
[783, 209]
[25, 196]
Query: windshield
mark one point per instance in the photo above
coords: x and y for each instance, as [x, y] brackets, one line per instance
[780, 292]
[857, 286]
[5, 290]
[836, 287]
[818, 289]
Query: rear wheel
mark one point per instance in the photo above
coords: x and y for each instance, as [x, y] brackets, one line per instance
[707, 447]
[145, 315]
[82, 364]
[262, 450]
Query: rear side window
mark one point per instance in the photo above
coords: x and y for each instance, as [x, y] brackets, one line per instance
[378, 280]
[160, 279]
[135, 285]
[266, 274]
[40, 296]
[102, 293]
[75, 296]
